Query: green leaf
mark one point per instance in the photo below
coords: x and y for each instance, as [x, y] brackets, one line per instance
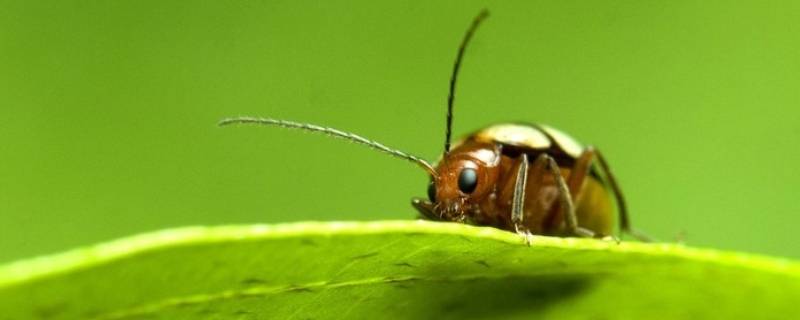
[400, 269]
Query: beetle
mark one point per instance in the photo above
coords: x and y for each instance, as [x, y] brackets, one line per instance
[522, 177]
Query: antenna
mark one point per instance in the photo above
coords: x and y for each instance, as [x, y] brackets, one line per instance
[331, 132]
[464, 42]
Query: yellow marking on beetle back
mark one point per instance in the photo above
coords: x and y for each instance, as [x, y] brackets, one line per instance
[489, 157]
[571, 146]
[516, 135]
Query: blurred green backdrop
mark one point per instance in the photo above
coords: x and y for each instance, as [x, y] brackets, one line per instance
[108, 110]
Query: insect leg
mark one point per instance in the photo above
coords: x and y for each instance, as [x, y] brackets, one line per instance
[580, 170]
[624, 220]
[565, 199]
[425, 209]
[518, 201]
[522, 191]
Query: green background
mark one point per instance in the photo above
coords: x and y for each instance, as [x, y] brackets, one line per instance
[108, 110]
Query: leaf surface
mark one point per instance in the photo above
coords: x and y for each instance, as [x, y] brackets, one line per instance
[392, 269]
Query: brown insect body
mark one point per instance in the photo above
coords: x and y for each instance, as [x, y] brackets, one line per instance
[495, 153]
[520, 177]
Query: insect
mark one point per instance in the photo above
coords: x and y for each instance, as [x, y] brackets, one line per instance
[526, 178]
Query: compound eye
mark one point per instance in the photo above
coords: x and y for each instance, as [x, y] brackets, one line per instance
[432, 192]
[468, 180]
